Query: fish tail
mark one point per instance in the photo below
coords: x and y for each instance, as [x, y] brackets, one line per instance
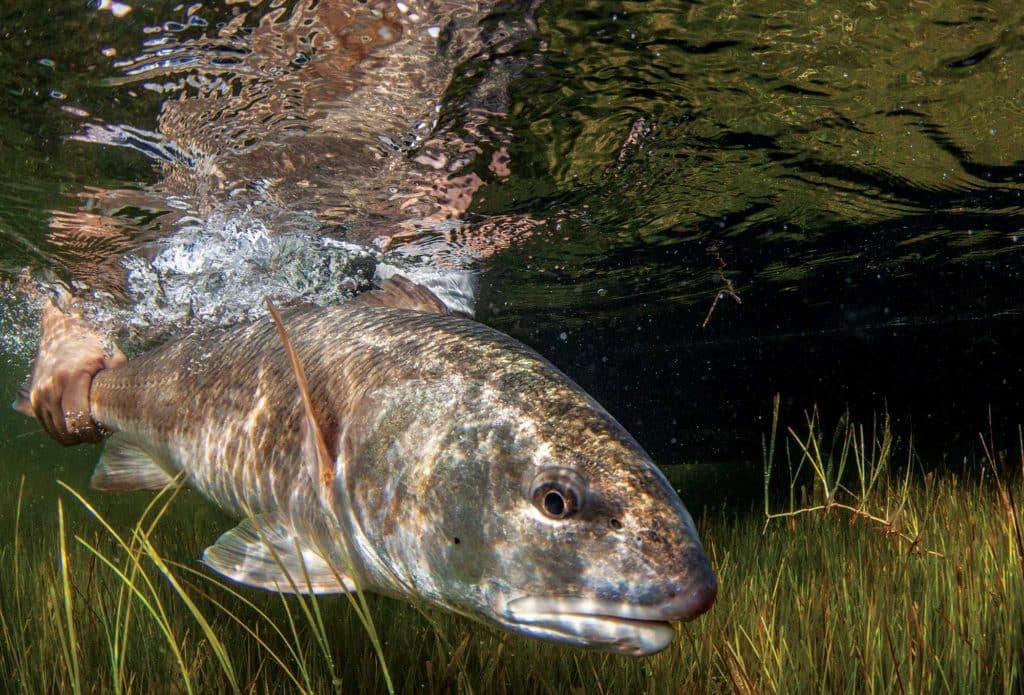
[23, 401]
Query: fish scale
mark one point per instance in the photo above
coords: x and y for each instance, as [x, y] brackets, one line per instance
[189, 398]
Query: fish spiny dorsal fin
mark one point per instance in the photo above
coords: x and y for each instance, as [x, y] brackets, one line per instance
[398, 292]
[325, 464]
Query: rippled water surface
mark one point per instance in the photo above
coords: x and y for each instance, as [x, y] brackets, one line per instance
[688, 207]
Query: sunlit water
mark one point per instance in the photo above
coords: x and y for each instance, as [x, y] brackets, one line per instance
[687, 207]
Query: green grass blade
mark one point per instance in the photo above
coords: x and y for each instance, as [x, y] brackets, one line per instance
[71, 650]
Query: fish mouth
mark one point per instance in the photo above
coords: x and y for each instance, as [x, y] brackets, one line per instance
[624, 628]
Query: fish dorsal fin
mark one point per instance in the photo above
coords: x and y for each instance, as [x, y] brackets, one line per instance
[398, 292]
[314, 439]
[125, 465]
[266, 554]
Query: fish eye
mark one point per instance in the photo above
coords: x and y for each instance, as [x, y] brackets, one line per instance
[554, 503]
[557, 493]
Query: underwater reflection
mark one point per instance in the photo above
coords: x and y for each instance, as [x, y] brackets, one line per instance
[298, 148]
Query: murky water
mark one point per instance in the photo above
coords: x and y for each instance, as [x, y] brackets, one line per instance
[687, 206]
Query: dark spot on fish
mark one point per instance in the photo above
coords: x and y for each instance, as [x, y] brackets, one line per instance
[456, 540]
[650, 536]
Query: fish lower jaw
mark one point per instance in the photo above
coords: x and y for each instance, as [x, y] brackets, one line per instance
[621, 628]
[606, 633]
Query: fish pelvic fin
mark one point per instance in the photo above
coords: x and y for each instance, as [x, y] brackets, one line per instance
[399, 292]
[314, 436]
[125, 465]
[268, 555]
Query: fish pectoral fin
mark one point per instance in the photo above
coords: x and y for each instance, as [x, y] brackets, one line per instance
[323, 462]
[125, 466]
[268, 555]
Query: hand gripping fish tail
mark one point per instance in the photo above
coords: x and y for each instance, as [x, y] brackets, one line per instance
[391, 445]
[71, 353]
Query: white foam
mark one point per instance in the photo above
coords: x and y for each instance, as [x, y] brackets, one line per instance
[221, 271]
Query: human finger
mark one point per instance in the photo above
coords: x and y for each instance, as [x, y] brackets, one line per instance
[47, 408]
[79, 425]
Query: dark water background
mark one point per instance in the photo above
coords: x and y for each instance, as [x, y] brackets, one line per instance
[819, 200]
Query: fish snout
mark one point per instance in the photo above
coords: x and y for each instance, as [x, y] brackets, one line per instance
[627, 617]
[693, 598]
[688, 594]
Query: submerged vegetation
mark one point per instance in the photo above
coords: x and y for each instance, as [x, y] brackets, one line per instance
[862, 573]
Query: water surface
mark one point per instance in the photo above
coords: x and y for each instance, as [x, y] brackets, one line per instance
[689, 207]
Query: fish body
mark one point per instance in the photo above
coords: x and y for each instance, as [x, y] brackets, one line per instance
[438, 461]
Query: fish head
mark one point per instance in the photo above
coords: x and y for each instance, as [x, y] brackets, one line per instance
[560, 528]
[599, 550]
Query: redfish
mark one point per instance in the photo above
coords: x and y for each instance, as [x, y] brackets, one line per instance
[391, 446]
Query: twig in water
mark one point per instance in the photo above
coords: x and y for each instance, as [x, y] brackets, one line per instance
[728, 289]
